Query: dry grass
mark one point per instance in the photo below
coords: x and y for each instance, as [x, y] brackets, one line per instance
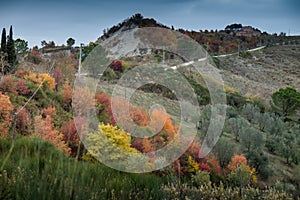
[264, 71]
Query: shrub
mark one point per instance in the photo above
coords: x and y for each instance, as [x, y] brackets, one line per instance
[22, 88]
[23, 122]
[201, 178]
[8, 85]
[6, 118]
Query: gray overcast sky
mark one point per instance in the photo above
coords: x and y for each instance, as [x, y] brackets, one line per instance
[84, 20]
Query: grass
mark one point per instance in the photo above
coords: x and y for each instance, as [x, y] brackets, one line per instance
[37, 170]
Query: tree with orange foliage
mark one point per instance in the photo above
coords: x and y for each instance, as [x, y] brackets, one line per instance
[44, 128]
[157, 118]
[236, 161]
[51, 111]
[147, 146]
[67, 92]
[6, 109]
[214, 164]
[8, 85]
[139, 116]
[240, 172]
[103, 104]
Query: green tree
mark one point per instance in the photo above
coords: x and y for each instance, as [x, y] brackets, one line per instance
[250, 112]
[272, 143]
[3, 41]
[275, 125]
[3, 53]
[86, 50]
[286, 101]
[21, 46]
[137, 18]
[11, 52]
[236, 126]
[261, 120]
[288, 147]
[252, 139]
[259, 161]
[224, 150]
[70, 42]
[95, 59]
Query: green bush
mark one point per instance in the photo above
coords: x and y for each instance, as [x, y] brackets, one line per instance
[201, 178]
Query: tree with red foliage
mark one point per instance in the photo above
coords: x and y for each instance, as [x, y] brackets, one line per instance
[71, 138]
[22, 88]
[203, 166]
[117, 66]
[137, 144]
[214, 164]
[103, 103]
[23, 122]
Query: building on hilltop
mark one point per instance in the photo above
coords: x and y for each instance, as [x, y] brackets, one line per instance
[49, 51]
[248, 31]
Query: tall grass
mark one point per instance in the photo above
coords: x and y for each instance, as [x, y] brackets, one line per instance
[36, 170]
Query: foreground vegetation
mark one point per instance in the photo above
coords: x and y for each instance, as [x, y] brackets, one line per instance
[35, 169]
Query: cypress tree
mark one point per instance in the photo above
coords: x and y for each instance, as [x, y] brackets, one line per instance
[11, 52]
[3, 41]
[3, 54]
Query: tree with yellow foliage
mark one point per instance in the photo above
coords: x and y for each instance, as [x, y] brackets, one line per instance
[45, 78]
[110, 144]
[193, 165]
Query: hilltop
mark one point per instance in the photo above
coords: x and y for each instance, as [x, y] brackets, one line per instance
[259, 72]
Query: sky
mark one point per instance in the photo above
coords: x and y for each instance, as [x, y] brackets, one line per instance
[85, 20]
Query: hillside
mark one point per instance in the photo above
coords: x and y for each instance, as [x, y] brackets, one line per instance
[259, 73]
[263, 72]
[60, 133]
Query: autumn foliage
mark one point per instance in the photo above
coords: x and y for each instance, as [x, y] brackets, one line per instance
[236, 161]
[71, 137]
[66, 96]
[8, 85]
[44, 128]
[109, 144]
[46, 79]
[23, 122]
[6, 109]
[22, 88]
